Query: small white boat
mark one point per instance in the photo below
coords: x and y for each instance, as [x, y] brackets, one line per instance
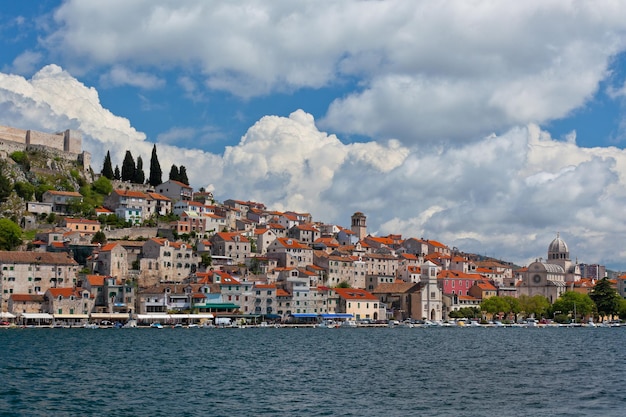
[91, 326]
[156, 326]
[531, 323]
[348, 324]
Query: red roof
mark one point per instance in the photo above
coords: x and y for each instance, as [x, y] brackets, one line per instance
[130, 193]
[354, 294]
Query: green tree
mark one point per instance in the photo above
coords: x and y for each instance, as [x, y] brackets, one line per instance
[25, 190]
[155, 169]
[128, 167]
[343, 284]
[10, 235]
[107, 167]
[140, 177]
[102, 186]
[571, 301]
[41, 189]
[5, 187]
[605, 297]
[116, 173]
[495, 305]
[536, 305]
[622, 309]
[174, 173]
[99, 237]
[182, 175]
[21, 158]
[206, 260]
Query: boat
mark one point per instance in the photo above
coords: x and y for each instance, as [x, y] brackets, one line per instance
[156, 326]
[91, 326]
[348, 323]
[328, 324]
[531, 323]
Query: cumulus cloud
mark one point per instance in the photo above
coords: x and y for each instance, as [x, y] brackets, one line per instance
[503, 195]
[26, 62]
[426, 70]
[119, 76]
[52, 100]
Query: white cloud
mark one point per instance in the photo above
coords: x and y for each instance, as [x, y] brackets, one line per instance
[53, 100]
[503, 195]
[119, 76]
[176, 134]
[26, 62]
[191, 88]
[426, 70]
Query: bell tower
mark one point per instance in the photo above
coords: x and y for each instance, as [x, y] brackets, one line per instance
[359, 226]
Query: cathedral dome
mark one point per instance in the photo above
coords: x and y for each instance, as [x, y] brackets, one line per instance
[558, 246]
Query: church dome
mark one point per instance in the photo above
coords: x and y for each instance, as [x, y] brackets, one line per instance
[558, 246]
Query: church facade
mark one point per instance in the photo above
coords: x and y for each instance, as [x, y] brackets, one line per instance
[552, 277]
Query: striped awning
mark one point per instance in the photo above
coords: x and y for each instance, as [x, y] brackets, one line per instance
[37, 316]
[71, 316]
[109, 316]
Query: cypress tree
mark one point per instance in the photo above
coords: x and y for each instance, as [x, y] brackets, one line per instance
[140, 177]
[128, 167]
[182, 175]
[174, 173]
[155, 169]
[116, 174]
[107, 168]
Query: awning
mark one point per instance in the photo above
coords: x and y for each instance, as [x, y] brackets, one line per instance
[37, 316]
[217, 305]
[153, 316]
[191, 316]
[6, 315]
[336, 316]
[109, 316]
[304, 315]
[71, 316]
[201, 316]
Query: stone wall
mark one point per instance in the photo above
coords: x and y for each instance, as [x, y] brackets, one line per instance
[70, 141]
[131, 233]
[45, 139]
[12, 134]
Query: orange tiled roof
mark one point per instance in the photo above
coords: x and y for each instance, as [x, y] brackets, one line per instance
[33, 298]
[130, 193]
[486, 286]
[65, 193]
[291, 243]
[181, 184]
[108, 247]
[354, 294]
[62, 292]
[81, 221]
[458, 274]
[96, 280]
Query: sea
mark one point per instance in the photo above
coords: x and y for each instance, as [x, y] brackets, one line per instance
[313, 372]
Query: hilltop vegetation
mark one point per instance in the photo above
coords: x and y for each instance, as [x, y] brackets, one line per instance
[27, 175]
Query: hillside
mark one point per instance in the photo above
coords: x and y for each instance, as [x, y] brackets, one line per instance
[26, 175]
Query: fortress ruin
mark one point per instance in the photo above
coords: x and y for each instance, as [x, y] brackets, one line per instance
[67, 144]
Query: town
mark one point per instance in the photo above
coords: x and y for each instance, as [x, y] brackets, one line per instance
[162, 253]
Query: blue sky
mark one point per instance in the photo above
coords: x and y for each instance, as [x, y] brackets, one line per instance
[484, 124]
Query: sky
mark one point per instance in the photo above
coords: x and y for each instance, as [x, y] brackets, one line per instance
[489, 126]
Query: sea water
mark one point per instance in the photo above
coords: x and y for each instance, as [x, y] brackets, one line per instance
[313, 372]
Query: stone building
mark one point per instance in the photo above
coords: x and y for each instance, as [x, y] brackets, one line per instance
[551, 277]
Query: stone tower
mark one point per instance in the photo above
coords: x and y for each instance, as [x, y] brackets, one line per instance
[359, 226]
